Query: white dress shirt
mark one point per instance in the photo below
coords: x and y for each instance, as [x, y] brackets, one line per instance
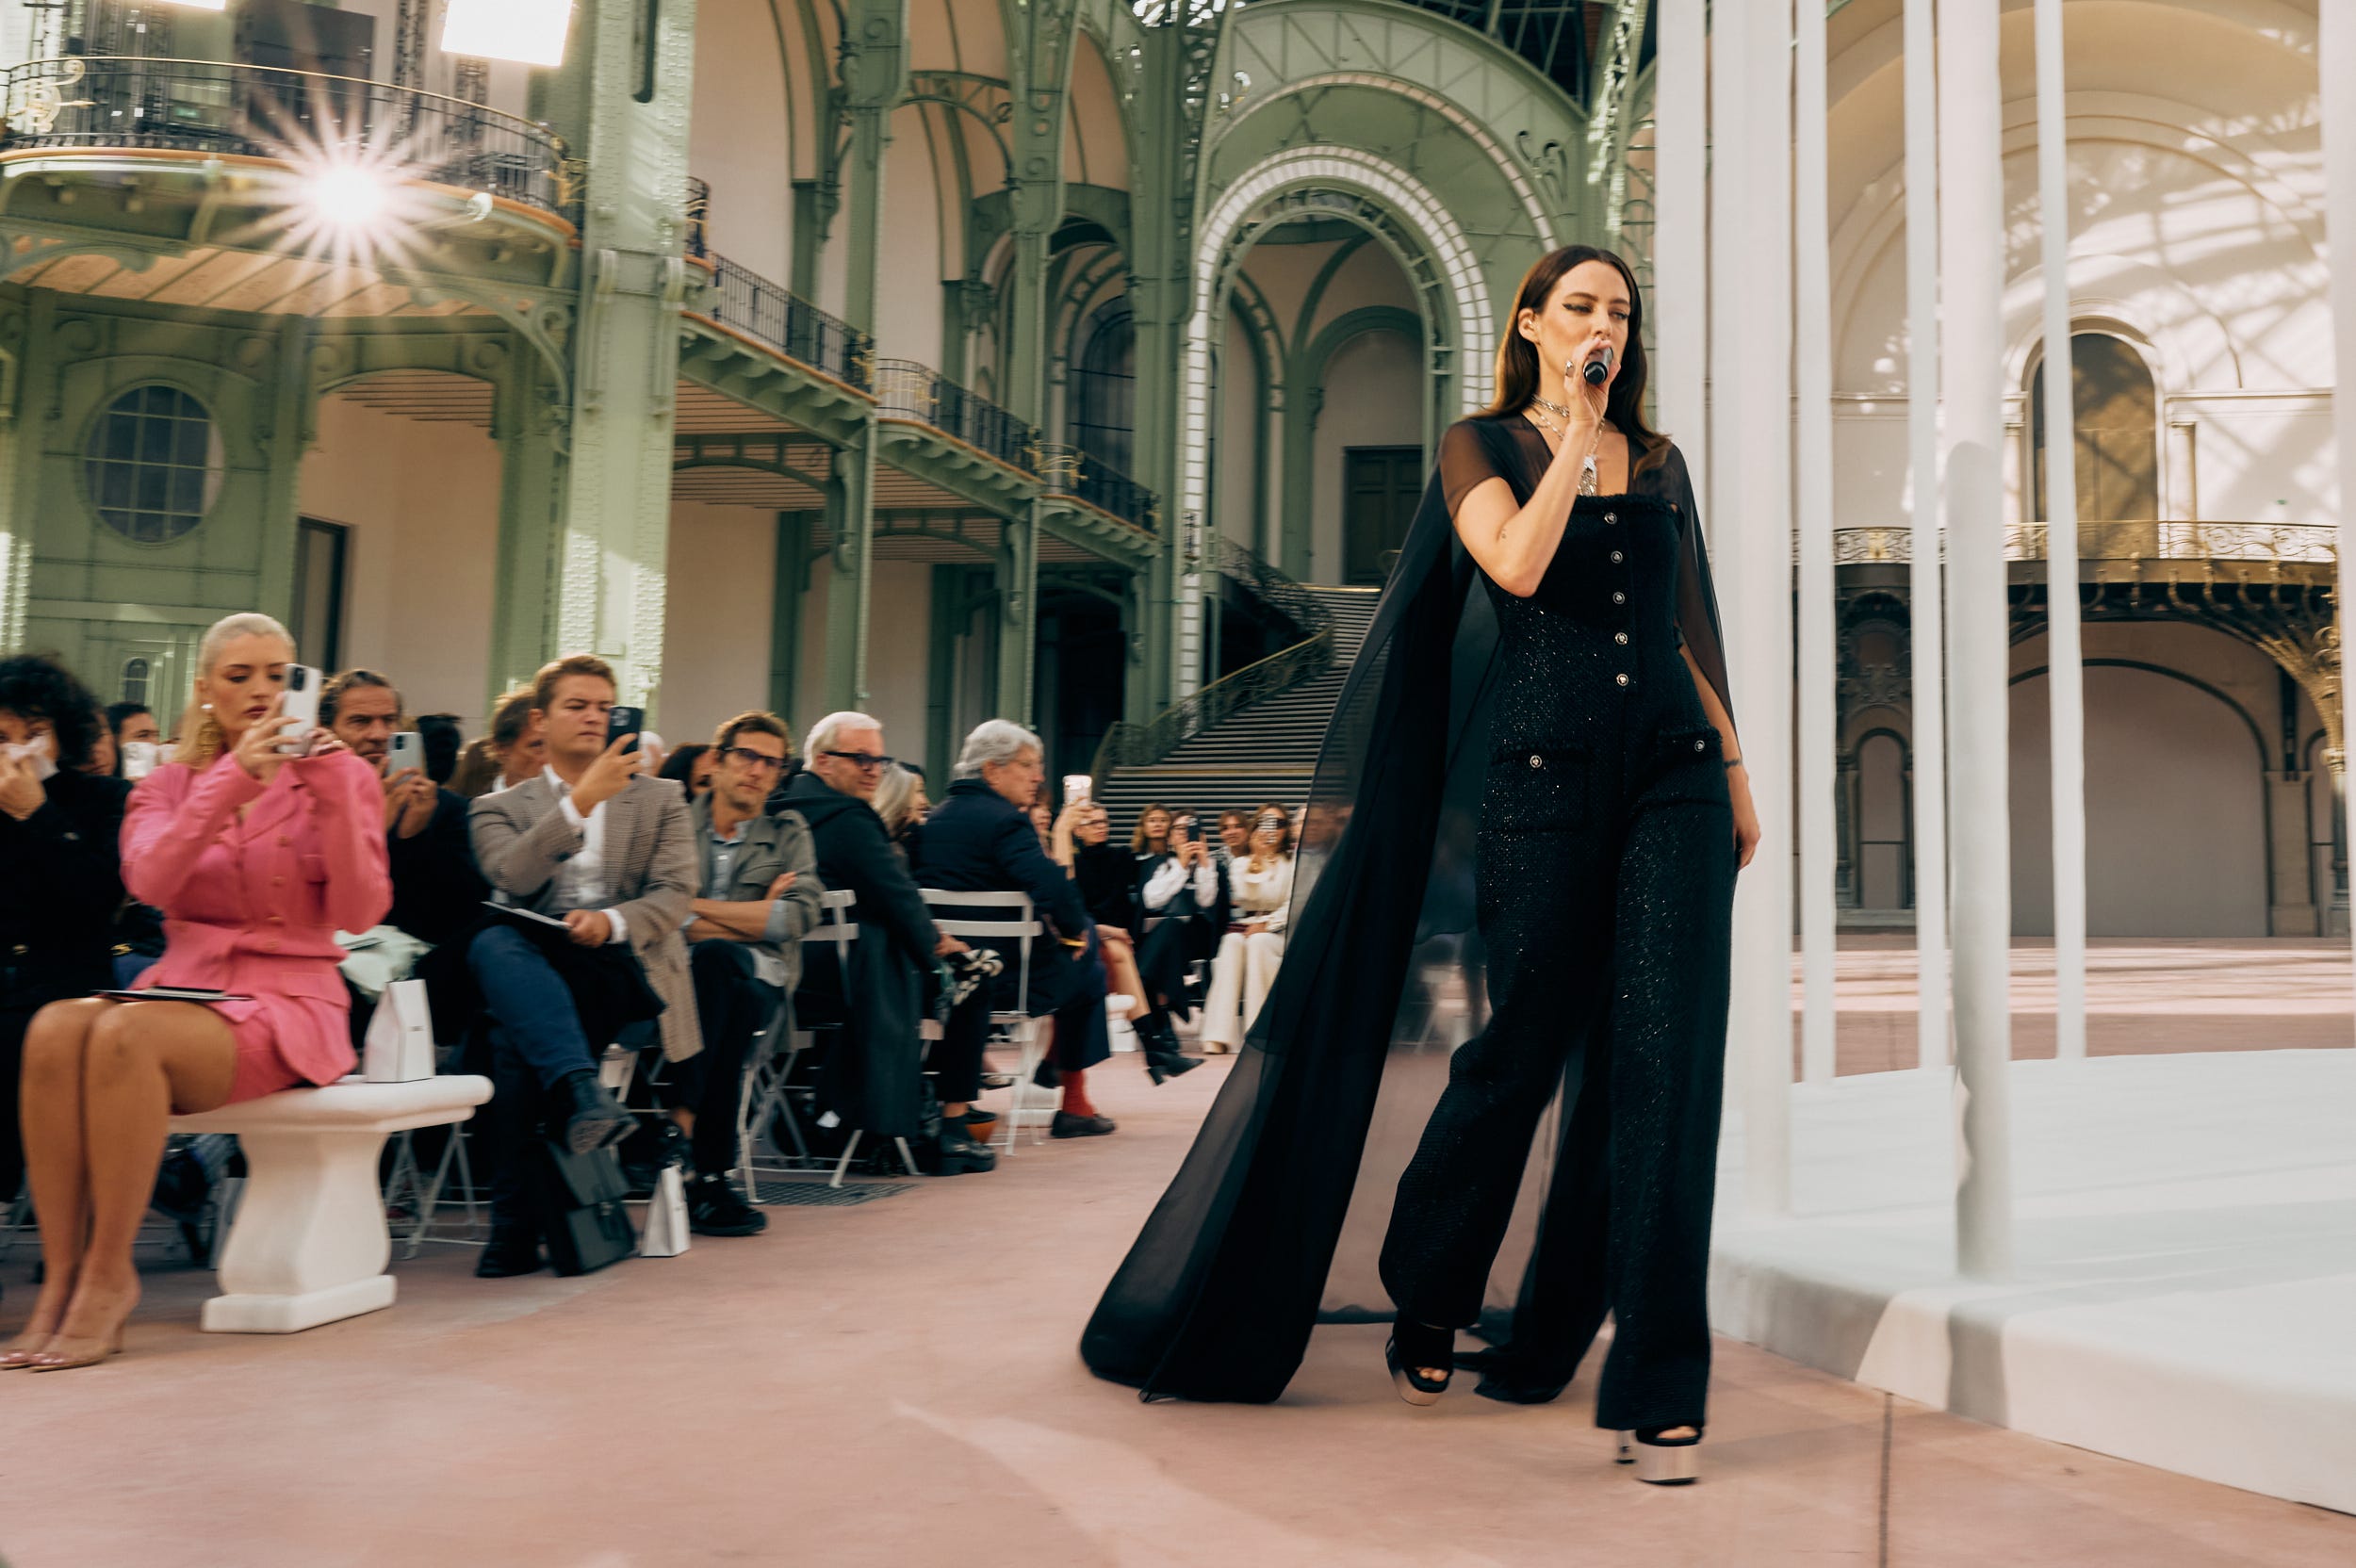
[1170, 876]
[580, 882]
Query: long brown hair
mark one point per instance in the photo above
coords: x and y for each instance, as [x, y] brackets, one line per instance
[1517, 356]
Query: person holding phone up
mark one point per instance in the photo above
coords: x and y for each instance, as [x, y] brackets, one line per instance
[437, 891]
[594, 847]
[258, 844]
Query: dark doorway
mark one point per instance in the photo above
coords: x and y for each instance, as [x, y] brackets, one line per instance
[319, 593]
[1381, 486]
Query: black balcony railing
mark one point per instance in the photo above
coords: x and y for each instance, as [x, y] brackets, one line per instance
[262, 111]
[1070, 471]
[753, 305]
[914, 391]
[698, 215]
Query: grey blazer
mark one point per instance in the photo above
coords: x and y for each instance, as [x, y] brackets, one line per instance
[520, 837]
[773, 846]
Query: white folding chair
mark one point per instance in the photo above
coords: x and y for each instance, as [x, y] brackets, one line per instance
[1015, 1026]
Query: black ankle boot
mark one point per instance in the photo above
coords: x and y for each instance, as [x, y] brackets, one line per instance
[1163, 1059]
[591, 1118]
[513, 1248]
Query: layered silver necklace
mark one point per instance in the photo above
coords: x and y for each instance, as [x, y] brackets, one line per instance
[1587, 482]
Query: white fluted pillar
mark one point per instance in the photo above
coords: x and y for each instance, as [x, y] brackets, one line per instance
[2336, 58]
[2064, 659]
[1972, 257]
[1820, 847]
[1680, 257]
[1928, 642]
[1751, 436]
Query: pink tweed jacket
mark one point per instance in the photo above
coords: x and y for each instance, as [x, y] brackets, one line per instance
[254, 907]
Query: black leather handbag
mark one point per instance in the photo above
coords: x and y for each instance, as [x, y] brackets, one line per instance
[588, 1225]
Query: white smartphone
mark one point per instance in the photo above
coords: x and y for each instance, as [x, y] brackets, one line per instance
[407, 750]
[300, 714]
[1076, 788]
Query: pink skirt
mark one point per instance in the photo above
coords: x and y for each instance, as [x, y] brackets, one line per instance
[262, 1069]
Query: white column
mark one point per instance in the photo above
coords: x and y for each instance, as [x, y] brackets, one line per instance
[1971, 256]
[1927, 613]
[1751, 384]
[2336, 58]
[1820, 849]
[2065, 675]
[1680, 259]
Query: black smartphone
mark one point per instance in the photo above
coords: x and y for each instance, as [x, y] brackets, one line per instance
[1184, 829]
[625, 722]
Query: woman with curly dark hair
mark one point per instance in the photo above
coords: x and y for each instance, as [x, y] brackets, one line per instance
[60, 883]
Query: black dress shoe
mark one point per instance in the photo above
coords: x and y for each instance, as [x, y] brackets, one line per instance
[591, 1117]
[1071, 1124]
[713, 1209]
[997, 1080]
[513, 1250]
[956, 1153]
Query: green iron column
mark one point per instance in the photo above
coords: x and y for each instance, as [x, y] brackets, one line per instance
[622, 102]
[291, 412]
[1018, 615]
[851, 529]
[529, 417]
[790, 581]
[875, 74]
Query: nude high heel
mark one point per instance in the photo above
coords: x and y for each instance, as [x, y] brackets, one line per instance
[69, 1354]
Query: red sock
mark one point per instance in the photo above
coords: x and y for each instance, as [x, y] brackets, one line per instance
[1075, 1092]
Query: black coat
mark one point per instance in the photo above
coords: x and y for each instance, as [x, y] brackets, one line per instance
[437, 891]
[977, 840]
[61, 885]
[874, 1082]
[1107, 878]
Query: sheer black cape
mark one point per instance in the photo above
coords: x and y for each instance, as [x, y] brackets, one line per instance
[1275, 1218]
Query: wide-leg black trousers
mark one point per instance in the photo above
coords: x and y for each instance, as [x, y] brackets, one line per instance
[1605, 893]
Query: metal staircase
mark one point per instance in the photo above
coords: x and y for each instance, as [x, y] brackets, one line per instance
[1248, 738]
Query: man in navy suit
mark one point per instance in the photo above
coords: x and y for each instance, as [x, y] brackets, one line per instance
[979, 839]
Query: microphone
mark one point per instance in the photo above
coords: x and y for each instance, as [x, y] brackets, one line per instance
[1598, 367]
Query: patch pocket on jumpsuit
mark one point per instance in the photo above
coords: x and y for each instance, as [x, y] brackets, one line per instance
[1692, 764]
[1536, 790]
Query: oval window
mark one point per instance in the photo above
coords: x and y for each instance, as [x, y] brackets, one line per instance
[154, 464]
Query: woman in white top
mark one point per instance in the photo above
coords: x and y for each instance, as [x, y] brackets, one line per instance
[1259, 890]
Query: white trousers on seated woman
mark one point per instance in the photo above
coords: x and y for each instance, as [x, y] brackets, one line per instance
[1241, 978]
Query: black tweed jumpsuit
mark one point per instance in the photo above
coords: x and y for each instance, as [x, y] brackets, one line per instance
[1605, 883]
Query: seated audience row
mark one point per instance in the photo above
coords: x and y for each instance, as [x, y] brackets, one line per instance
[557, 897]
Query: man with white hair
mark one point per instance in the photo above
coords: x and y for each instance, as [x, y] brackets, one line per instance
[872, 1080]
[979, 839]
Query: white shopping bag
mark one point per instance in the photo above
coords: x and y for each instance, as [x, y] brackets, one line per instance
[665, 1233]
[401, 1036]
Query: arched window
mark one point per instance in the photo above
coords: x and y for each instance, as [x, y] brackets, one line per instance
[135, 681]
[2117, 414]
[1105, 391]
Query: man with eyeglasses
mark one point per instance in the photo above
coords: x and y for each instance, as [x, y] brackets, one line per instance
[759, 891]
[873, 1081]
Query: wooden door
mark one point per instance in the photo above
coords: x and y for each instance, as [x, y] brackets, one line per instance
[1381, 486]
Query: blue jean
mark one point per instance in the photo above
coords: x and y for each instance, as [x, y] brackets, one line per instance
[532, 1006]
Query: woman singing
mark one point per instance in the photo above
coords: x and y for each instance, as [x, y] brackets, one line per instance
[1534, 794]
[257, 857]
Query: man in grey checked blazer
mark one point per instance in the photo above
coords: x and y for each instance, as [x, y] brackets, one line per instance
[610, 853]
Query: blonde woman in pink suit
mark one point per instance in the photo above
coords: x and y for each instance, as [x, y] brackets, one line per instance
[256, 859]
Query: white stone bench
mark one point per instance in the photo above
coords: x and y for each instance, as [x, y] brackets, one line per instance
[309, 1243]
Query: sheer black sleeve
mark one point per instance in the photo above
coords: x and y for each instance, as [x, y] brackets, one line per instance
[1466, 459]
[1697, 601]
